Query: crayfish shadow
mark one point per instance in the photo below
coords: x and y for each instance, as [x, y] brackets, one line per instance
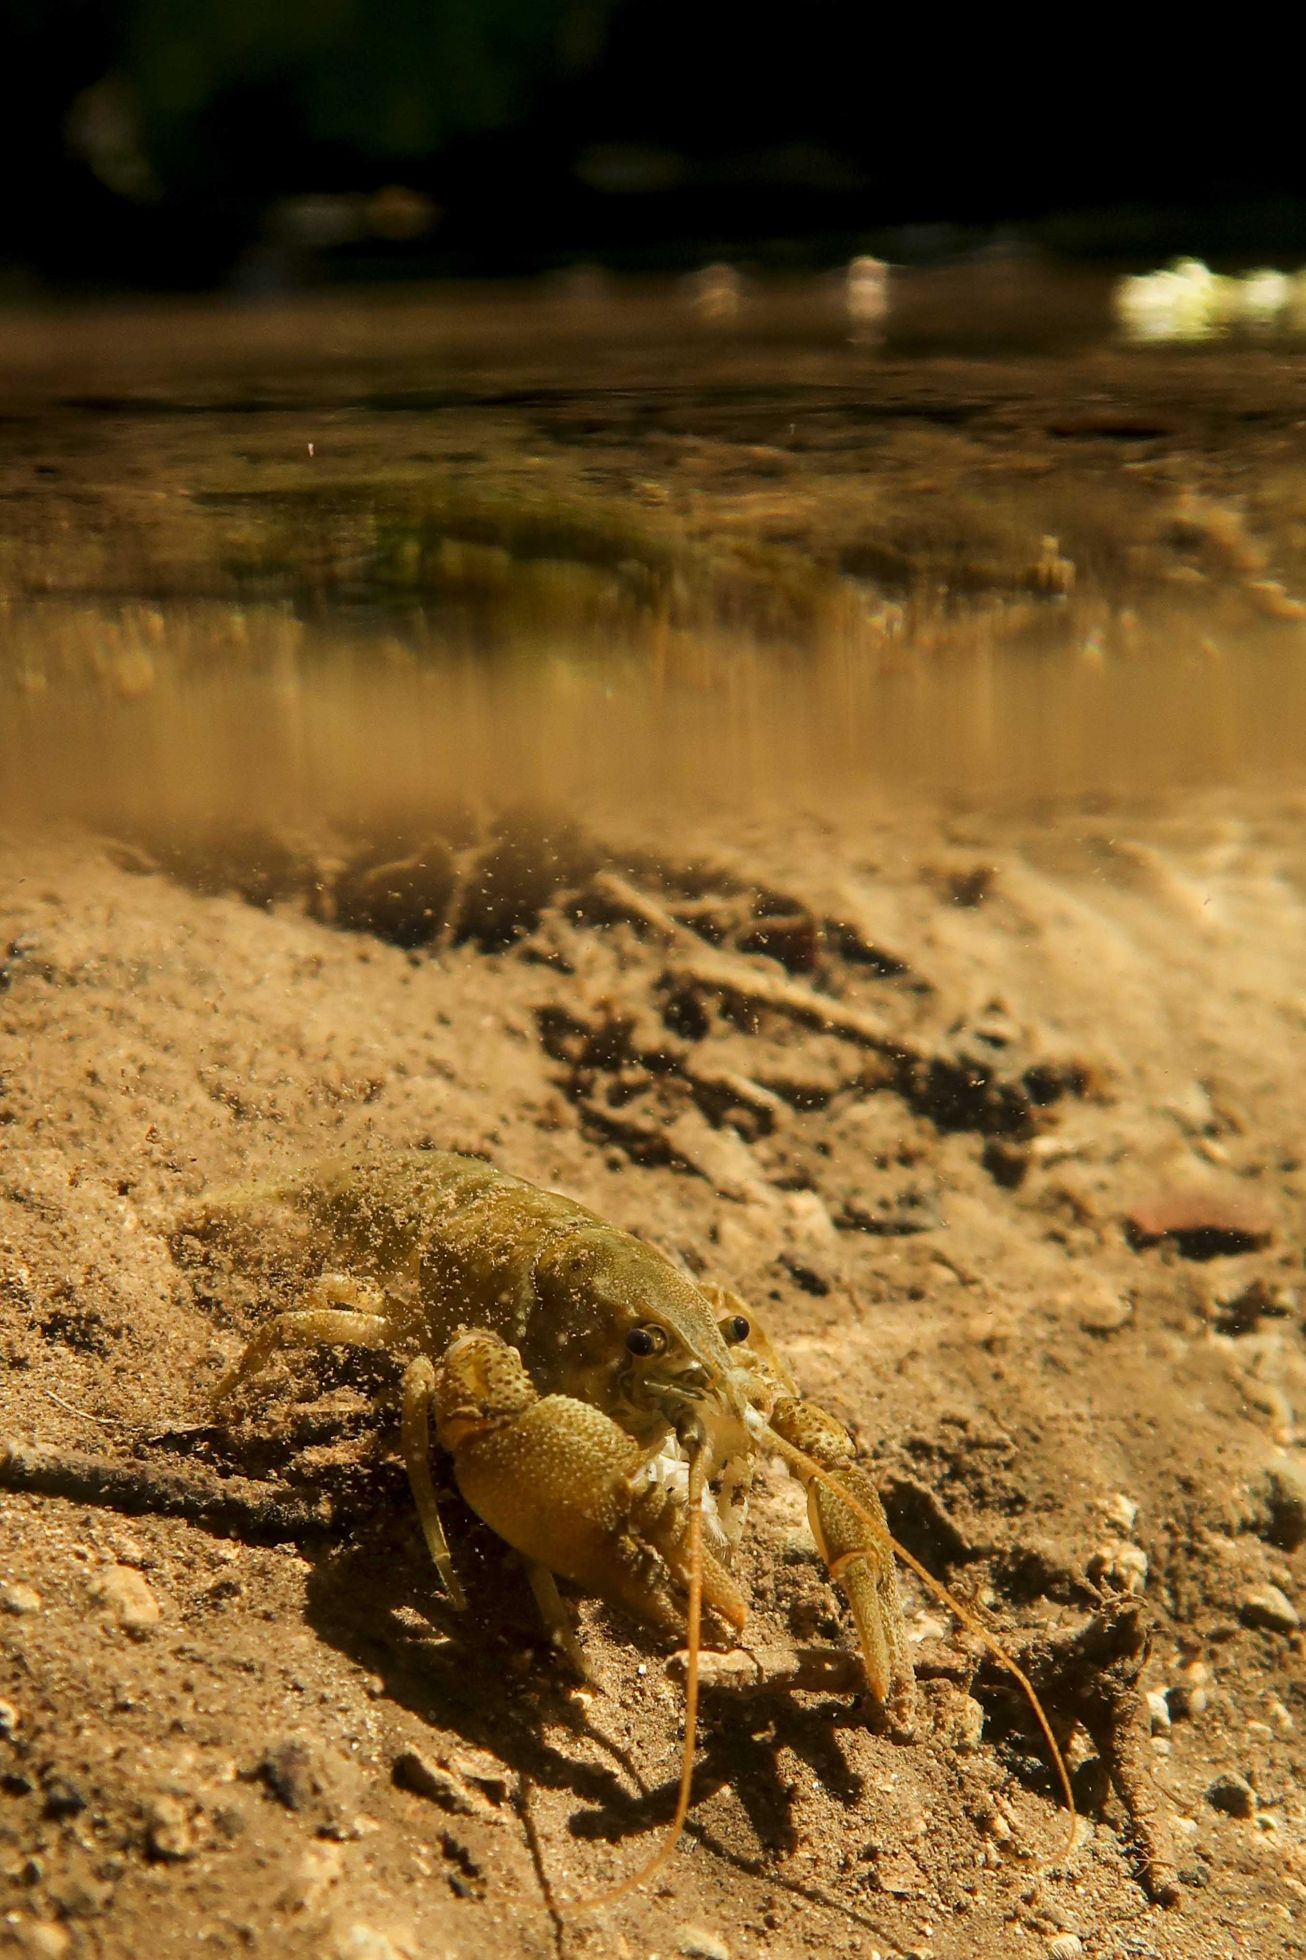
[484, 1674]
[487, 1675]
[742, 1748]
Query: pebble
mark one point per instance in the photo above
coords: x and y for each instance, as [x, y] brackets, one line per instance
[809, 1221]
[1232, 1794]
[1267, 1606]
[358, 1941]
[10, 1720]
[1193, 1109]
[1158, 1710]
[62, 1798]
[1105, 1309]
[1066, 1946]
[169, 1834]
[17, 1598]
[1186, 1700]
[696, 1943]
[483, 1773]
[288, 1771]
[747, 1235]
[993, 1823]
[309, 1884]
[958, 1720]
[1202, 1221]
[125, 1597]
[897, 1873]
[42, 1939]
[129, 1550]
[435, 1781]
[1121, 1510]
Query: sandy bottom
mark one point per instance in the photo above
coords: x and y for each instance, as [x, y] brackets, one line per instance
[998, 1120]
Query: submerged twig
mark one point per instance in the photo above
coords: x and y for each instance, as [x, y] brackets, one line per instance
[769, 1670]
[1090, 1676]
[729, 974]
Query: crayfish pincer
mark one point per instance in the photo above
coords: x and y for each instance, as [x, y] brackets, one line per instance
[603, 1412]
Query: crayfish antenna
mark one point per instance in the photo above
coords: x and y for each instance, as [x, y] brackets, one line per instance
[694, 1635]
[809, 1469]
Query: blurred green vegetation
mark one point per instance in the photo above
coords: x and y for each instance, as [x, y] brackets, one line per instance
[396, 80]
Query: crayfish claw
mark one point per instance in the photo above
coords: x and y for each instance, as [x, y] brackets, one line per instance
[852, 1532]
[564, 1484]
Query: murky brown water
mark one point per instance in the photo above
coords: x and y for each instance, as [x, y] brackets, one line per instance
[588, 546]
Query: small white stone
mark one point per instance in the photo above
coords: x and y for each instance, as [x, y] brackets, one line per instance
[18, 1599]
[1158, 1710]
[1185, 1703]
[1103, 1309]
[1269, 1607]
[1192, 1109]
[42, 1939]
[808, 1218]
[1066, 1946]
[1121, 1510]
[360, 1942]
[169, 1833]
[995, 1825]
[696, 1943]
[128, 1549]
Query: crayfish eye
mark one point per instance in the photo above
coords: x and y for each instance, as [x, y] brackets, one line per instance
[734, 1329]
[645, 1340]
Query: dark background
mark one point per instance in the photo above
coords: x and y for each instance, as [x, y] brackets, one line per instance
[172, 144]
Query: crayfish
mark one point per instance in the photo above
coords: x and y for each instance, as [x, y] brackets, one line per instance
[603, 1411]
